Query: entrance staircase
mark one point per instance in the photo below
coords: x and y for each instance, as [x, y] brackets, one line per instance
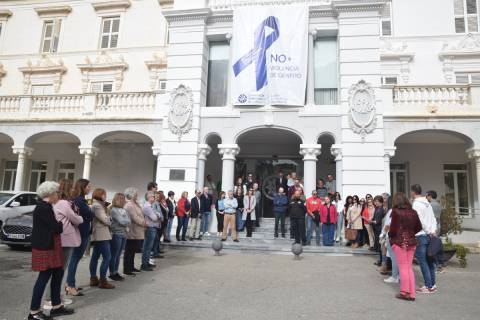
[263, 240]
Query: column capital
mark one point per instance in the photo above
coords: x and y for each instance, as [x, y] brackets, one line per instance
[203, 150]
[310, 151]
[25, 151]
[473, 153]
[229, 151]
[312, 32]
[157, 151]
[389, 152]
[336, 151]
[88, 151]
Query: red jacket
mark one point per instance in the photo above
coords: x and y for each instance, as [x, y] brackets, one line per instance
[181, 211]
[324, 212]
[313, 205]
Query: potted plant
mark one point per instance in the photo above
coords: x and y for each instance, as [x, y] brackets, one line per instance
[451, 223]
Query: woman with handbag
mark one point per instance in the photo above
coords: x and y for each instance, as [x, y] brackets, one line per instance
[354, 218]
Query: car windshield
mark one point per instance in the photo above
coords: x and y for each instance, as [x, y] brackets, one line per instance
[4, 197]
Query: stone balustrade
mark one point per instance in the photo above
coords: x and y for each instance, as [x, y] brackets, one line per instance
[230, 4]
[57, 103]
[437, 95]
[125, 102]
[9, 104]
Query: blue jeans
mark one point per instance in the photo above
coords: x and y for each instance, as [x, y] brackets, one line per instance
[56, 276]
[239, 222]
[339, 226]
[328, 231]
[117, 244]
[182, 226]
[427, 266]
[169, 228]
[100, 248]
[74, 260]
[204, 222]
[156, 243]
[395, 271]
[310, 225]
[150, 234]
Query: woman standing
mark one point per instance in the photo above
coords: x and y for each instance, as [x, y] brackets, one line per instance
[120, 223]
[239, 221]
[172, 206]
[354, 215]
[80, 190]
[220, 208]
[248, 214]
[183, 212]
[328, 218]
[403, 227]
[258, 207]
[136, 231]
[101, 238]
[367, 216]
[47, 256]
[239, 186]
[339, 204]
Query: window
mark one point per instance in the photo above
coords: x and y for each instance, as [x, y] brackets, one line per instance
[50, 36]
[389, 80]
[9, 175]
[326, 71]
[386, 20]
[217, 85]
[42, 89]
[101, 87]
[38, 174]
[466, 16]
[162, 85]
[398, 178]
[457, 192]
[66, 171]
[109, 33]
[467, 78]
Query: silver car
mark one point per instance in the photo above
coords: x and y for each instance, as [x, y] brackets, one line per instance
[14, 204]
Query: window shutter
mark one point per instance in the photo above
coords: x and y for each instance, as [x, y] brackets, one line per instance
[107, 87]
[56, 34]
[460, 25]
[458, 7]
[114, 41]
[106, 25]
[96, 87]
[115, 25]
[386, 28]
[471, 6]
[472, 23]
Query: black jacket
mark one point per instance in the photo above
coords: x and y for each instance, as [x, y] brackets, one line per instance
[195, 211]
[282, 184]
[378, 217]
[172, 206]
[296, 209]
[206, 202]
[44, 226]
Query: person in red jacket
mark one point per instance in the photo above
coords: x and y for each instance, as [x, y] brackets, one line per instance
[313, 205]
[183, 213]
[328, 217]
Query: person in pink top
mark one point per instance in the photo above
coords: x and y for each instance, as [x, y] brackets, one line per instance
[328, 218]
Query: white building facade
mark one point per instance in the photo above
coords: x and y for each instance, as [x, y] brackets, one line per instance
[129, 91]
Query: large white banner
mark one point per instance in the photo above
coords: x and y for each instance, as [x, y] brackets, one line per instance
[270, 55]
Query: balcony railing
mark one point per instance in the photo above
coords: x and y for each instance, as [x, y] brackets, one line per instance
[125, 102]
[57, 103]
[9, 104]
[231, 4]
[431, 95]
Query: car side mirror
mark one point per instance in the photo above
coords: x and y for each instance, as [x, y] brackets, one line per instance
[15, 204]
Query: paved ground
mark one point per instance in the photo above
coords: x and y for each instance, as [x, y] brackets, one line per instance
[194, 284]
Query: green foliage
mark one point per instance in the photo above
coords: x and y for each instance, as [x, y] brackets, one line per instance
[460, 251]
[451, 222]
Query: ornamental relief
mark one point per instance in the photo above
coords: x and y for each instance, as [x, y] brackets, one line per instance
[362, 112]
[181, 111]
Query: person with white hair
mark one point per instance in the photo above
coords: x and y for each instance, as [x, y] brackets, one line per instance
[230, 204]
[136, 231]
[47, 256]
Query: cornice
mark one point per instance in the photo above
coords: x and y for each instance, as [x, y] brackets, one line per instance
[322, 11]
[166, 4]
[186, 15]
[44, 65]
[5, 14]
[358, 5]
[102, 62]
[221, 16]
[121, 5]
[57, 11]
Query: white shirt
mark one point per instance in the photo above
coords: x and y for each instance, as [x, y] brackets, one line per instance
[426, 215]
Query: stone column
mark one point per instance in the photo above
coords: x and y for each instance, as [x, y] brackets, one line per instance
[336, 151]
[89, 154]
[203, 151]
[310, 152]
[474, 153]
[157, 153]
[312, 34]
[389, 153]
[229, 152]
[23, 153]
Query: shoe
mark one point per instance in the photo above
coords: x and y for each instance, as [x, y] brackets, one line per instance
[433, 289]
[206, 234]
[199, 238]
[47, 305]
[404, 297]
[73, 292]
[166, 241]
[120, 278]
[151, 262]
[236, 240]
[136, 270]
[178, 238]
[66, 301]
[115, 277]
[147, 268]
[62, 311]
[283, 236]
[423, 290]
[94, 282]
[183, 239]
[275, 236]
[191, 239]
[378, 263]
[161, 252]
[39, 316]
[391, 280]
[224, 239]
[130, 273]
[105, 285]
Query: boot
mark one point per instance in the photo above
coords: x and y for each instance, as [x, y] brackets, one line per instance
[94, 281]
[105, 285]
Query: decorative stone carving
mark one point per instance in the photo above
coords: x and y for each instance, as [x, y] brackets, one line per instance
[310, 151]
[118, 5]
[166, 4]
[88, 151]
[336, 151]
[103, 68]
[156, 151]
[44, 67]
[3, 73]
[181, 111]
[203, 151]
[398, 52]
[22, 151]
[467, 48]
[389, 152]
[362, 113]
[157, 68]
[55, 11]
[473, 153]
[228, 151]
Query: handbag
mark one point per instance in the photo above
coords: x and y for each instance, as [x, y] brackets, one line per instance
[434, 247]
[350, 234]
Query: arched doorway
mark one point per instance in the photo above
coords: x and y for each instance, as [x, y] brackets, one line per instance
[437, 160]
[213, 165]
[326, 161]
[263, 153]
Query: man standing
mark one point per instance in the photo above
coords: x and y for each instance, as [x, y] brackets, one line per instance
[206, 204]
[231, 205]
[313, 205]
[281, 182]
[437, 211]
[331, 185]
[322, 190]
[151, 187]
[376, 223]
[195, 216]
[297, 212]
[152, 220]
[248, 184]
[280, 202]
[429, 228]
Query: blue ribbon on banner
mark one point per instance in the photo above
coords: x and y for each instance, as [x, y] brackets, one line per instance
[259, 52]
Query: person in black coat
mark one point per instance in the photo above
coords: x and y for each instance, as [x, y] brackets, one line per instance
[206, 203]
[297, 211]
[281, 182]
[195, 216]
[376, 223]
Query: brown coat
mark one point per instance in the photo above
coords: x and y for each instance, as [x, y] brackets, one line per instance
[354, 217]
[101, 223]
[137, 228]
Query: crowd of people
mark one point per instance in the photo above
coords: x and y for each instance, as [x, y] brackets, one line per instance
[65, 223]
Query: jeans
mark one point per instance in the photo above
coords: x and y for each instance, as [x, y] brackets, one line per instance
[204, 222]
[280, 217]
[298, 228]
[395, 272]
[150, 234]
[117, 244]
[100, 248]
[156, 242]
[39, 287]
[339, 226]
[182, 225]
[328, 230]
[67, 254]
[407, 277]
[168, 229]
[77, 254]
[131, 248]
[239, 223]
[427, 266]
[310, 225]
